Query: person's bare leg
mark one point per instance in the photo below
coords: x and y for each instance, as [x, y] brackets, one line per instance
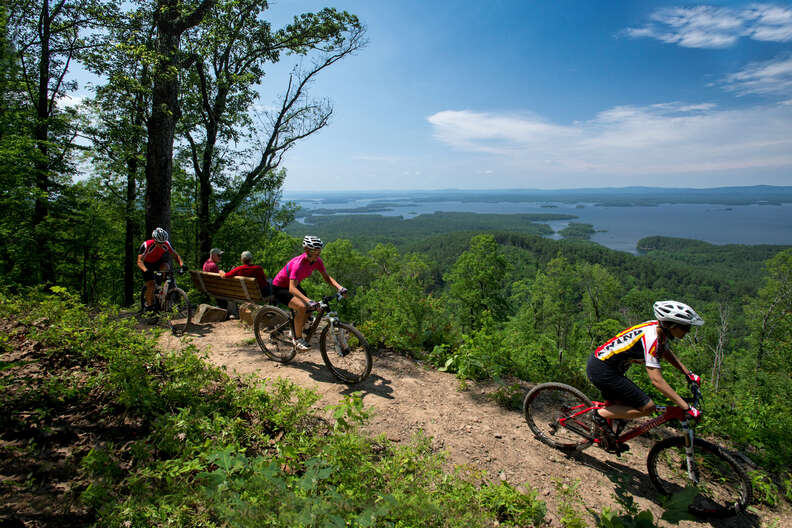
[625, 412]
[299, 316]
[149, 295]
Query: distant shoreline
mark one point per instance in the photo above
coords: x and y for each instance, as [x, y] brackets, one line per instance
[602, 197]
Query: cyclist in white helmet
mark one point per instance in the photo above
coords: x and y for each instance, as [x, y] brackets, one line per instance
[154, 255]
[286, 284]
[645, 343]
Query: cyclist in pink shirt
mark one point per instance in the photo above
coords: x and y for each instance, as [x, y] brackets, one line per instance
[286, 285]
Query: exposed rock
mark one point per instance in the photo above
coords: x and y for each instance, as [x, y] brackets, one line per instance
[207, 313]
[247, 313]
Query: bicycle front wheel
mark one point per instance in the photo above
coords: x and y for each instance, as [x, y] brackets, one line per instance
[550, 410]
[178, 309]
[272, 327]
[724, 488]
[345, 352]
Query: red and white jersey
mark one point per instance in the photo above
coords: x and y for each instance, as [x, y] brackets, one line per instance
[153, 253]
[637, 344]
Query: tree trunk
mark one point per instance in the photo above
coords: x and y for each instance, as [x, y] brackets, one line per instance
[129, 235]
[205, 233]
[41, 135]
[161, 127]
[165, 111]
[719, 351]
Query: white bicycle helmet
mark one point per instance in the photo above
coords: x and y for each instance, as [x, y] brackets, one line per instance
[312, 242]
[160, 235]
[676, 312]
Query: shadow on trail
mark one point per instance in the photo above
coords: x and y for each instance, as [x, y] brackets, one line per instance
[195, 329]
[636, 482]
[374, 384]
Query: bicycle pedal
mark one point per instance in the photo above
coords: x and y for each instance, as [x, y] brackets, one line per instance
[618, 449]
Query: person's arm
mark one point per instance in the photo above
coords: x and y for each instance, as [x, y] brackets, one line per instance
[178, 257]
[656, 377]
[140, 262]
[674, 361]
[330, 280]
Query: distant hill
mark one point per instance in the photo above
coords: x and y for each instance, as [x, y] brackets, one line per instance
[395, 229]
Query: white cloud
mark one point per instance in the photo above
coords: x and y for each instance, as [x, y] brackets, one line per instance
[71, 100]
[717, 27]
[773, 77]
[668, 138]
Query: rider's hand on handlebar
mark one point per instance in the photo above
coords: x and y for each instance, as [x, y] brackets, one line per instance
[342, 291]
[694, 378]
[183, 268]
[693, 413]
[313, 305]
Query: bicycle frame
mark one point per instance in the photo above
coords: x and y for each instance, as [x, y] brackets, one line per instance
[322, 313]
[668, 413]
[168, 281]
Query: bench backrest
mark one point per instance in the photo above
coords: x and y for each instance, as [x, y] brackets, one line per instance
[232, 288]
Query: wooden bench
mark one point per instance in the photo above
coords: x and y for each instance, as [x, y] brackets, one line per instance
[234, 289]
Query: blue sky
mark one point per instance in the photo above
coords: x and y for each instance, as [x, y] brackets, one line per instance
[552, 94]
[549, 94]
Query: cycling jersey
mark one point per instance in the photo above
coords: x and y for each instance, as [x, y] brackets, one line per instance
[153, 253]
[297, 269]
[638, 343]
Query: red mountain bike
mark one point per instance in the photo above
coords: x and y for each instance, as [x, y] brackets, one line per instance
[560, 416]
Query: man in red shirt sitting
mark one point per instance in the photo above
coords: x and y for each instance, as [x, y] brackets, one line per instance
[213, 262]
[212, 265]
[250, 270]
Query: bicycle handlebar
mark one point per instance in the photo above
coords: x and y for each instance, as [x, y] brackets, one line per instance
[325, 302]
[177, 271]
[696, 390]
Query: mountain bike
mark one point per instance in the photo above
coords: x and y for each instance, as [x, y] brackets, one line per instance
[344, 349]
[560, 416]
[169, 300]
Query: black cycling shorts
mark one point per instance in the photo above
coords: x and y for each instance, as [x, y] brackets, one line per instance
[283, 295]
[151, 267]
[613, 385]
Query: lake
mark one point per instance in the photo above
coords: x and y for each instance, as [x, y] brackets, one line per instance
[618, 227]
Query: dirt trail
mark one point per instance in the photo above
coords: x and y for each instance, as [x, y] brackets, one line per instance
[467, 424]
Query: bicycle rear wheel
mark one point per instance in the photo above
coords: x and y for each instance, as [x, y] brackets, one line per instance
[345, 352]
[724, 488]
[272, 327]
[549, 410]
[178, 309]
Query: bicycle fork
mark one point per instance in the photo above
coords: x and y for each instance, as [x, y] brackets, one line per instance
[690, 460]
[339, 338]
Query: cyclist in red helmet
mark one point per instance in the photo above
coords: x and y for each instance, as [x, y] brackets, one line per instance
[645, 343]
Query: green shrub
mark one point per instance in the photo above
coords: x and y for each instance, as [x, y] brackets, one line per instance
[513, 508]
